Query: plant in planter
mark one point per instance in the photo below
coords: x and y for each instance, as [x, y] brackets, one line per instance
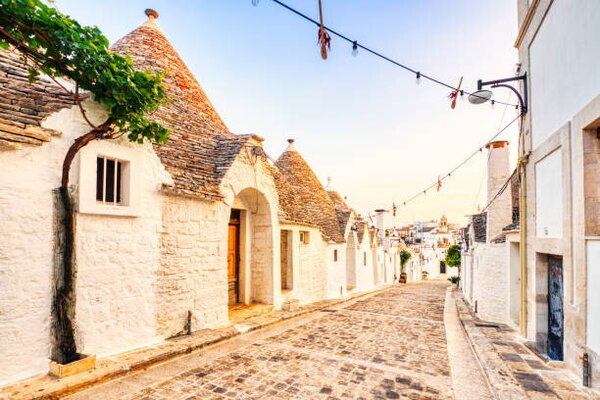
[424, 275]
[404, 257]
[453, 257]
[454, 280]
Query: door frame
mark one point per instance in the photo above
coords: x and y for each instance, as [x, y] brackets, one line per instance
[235, 220]
[556, 271]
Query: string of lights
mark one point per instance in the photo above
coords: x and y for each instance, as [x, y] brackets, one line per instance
[356, 45]
[449, 174]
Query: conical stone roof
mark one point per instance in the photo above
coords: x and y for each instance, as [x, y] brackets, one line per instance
[291, 207]
[314, 196]
[343, 211]
[198, 134]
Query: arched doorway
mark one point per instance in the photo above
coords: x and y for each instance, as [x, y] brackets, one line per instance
[350, 262]
[253, 248]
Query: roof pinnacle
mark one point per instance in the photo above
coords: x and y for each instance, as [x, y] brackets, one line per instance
[151, 13]
[291, 146]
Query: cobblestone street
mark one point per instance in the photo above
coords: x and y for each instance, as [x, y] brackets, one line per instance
[390, 345]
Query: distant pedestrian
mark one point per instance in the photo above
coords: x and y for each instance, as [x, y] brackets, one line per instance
[395, 278]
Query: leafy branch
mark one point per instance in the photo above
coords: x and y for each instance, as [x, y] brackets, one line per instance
[57, 46]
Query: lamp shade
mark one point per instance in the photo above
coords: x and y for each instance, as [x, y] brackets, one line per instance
[480, 96]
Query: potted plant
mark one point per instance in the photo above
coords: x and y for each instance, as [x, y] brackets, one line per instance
[453, 257]
[424, 275]
[454, 281]
[404, 257]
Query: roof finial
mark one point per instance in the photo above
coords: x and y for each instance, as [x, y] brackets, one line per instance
[151, 13]
[291, 146]
[329, 187]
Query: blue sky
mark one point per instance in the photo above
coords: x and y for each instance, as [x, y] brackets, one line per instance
[362, 121]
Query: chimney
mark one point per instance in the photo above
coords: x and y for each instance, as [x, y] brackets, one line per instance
[380, 222]
[499, 213]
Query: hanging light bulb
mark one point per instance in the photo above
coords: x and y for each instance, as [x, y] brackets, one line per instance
[462, 95]
[493, 103]
[255, 2]
[355, 48]
[418, 78]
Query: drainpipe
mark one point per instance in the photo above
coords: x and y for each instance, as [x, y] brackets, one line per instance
[523, 231]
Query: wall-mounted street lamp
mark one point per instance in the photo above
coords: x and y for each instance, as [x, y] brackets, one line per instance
[482, 95]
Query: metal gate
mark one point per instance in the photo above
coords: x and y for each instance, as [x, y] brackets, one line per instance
[555, 308]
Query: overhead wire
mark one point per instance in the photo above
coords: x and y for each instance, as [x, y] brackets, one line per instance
[463, 162]
[502, 189]
[488, 158]
[355, 45]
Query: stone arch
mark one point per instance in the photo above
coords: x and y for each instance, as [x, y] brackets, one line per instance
[257, 250]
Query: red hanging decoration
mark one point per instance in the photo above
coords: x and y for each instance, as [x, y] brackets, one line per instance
[439, 184]
[394, 209]
[454, 95]
[324, 39]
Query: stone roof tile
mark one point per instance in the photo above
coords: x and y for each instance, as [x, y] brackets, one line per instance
[291, 207]
[24, 105]
[343, 211]
[305, 183]
[192, 154]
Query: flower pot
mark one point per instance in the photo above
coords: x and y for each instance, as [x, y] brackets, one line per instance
[403, 277]
[424, 277]
[85, 363]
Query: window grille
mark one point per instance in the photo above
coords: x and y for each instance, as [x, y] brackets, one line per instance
[109, 177]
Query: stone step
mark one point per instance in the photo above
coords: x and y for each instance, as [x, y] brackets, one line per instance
[290, 305]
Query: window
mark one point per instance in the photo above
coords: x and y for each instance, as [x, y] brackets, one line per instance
[335, 256]
[109, 178]
[304, 237]
[365, 258]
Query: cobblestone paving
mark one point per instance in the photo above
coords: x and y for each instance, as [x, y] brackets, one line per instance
[539, 381]
[389, 346]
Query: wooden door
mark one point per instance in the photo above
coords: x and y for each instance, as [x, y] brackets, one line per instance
[555, 308]
[233, 251]
[283, 251]
[442, 267]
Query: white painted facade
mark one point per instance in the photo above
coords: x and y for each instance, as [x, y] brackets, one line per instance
[487, 267]
[558, 48]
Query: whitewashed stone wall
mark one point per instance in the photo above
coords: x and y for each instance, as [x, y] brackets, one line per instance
[118, 258]
[193, 265]
[389, 257]
[27, 178]
[490, 280]
[309, 265]
[352, 261]
[336, 271]
[467, 275]
[364, 265]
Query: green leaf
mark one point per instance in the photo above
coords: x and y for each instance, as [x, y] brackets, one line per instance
[82, 54]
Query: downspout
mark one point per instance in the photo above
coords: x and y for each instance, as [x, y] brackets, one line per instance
[523, 158]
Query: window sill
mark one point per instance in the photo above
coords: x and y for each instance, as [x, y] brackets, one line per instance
[110, 210]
